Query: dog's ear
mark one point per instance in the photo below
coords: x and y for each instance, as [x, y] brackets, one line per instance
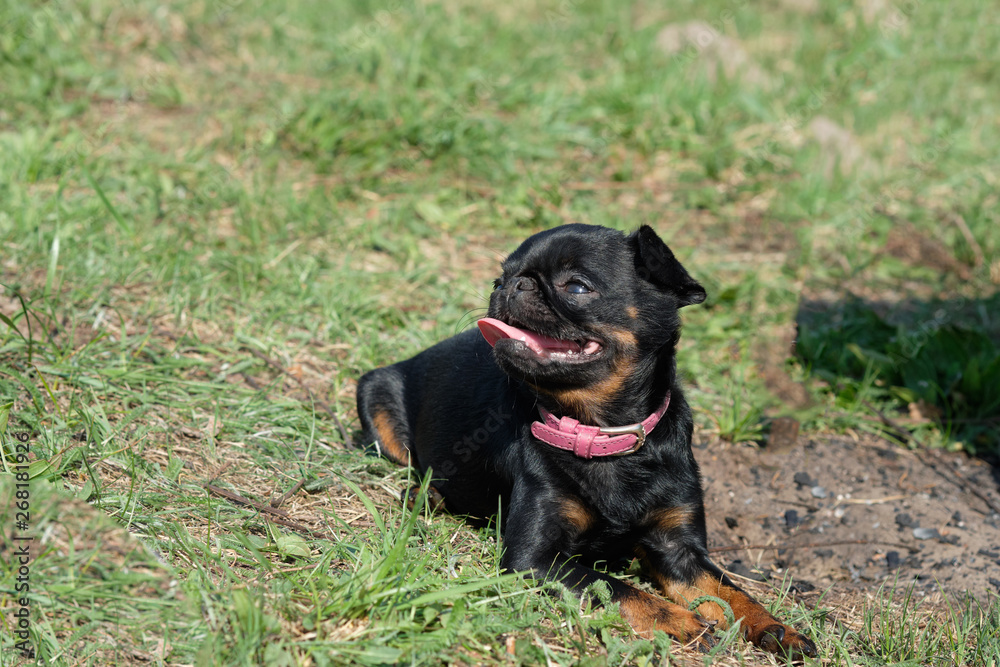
[656, 263]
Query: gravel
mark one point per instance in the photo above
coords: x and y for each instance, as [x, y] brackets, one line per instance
[892, 514]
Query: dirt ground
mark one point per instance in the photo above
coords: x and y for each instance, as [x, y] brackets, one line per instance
[844, 513]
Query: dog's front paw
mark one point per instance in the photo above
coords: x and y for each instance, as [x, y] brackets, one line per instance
[705, 638]
[434, 498]
[647, 613]
[784, 640]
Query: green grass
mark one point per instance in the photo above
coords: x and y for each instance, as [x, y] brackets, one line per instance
[195, 195]
[955, 369]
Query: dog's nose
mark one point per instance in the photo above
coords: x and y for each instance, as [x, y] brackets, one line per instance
[525, 284]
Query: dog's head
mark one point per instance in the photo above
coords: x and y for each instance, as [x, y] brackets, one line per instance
[587, 317]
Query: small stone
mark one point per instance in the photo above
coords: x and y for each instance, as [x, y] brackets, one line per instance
[803, 479]
[906, 521]
[792, 518]
[957, 517]
[926, 533]
[888, 454]
[739, 568]
[995, 555]
[732, 522]
[946, 564]
[818, 492]
[892, 560]
[801, 587]
[784, 433]
[823, 553]
[949, 539]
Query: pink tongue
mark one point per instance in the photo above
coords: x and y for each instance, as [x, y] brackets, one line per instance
[493, 330]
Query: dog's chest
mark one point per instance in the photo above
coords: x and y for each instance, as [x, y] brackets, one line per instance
[615, 502]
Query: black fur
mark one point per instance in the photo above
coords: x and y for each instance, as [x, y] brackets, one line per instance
[464, 411]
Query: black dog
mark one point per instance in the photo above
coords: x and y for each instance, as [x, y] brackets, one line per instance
[583, 324]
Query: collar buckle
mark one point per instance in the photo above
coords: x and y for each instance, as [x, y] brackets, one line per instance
[638, 430]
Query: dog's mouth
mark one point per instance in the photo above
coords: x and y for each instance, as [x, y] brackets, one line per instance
[544, 347]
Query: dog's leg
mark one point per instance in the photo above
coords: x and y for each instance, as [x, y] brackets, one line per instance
[381, 411]
[434, 498]
[536, 536]
[686, 574]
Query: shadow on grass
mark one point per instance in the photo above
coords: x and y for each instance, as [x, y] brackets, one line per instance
[934, 360]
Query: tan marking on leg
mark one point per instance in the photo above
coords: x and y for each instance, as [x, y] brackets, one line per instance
[575, 514]
[743, 606]
[685, 594]
[647, 613]
[666, 519]
[759, 626]
[434, 498]
[752, 612]
[389, 445]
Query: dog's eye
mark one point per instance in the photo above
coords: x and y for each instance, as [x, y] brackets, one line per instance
[497, 284]
[574, 287]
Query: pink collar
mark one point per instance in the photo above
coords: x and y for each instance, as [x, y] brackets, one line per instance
[590, 441]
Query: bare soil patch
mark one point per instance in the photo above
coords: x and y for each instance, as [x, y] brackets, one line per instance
[846, 513]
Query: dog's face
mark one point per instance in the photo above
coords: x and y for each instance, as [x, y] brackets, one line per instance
[580, 309]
